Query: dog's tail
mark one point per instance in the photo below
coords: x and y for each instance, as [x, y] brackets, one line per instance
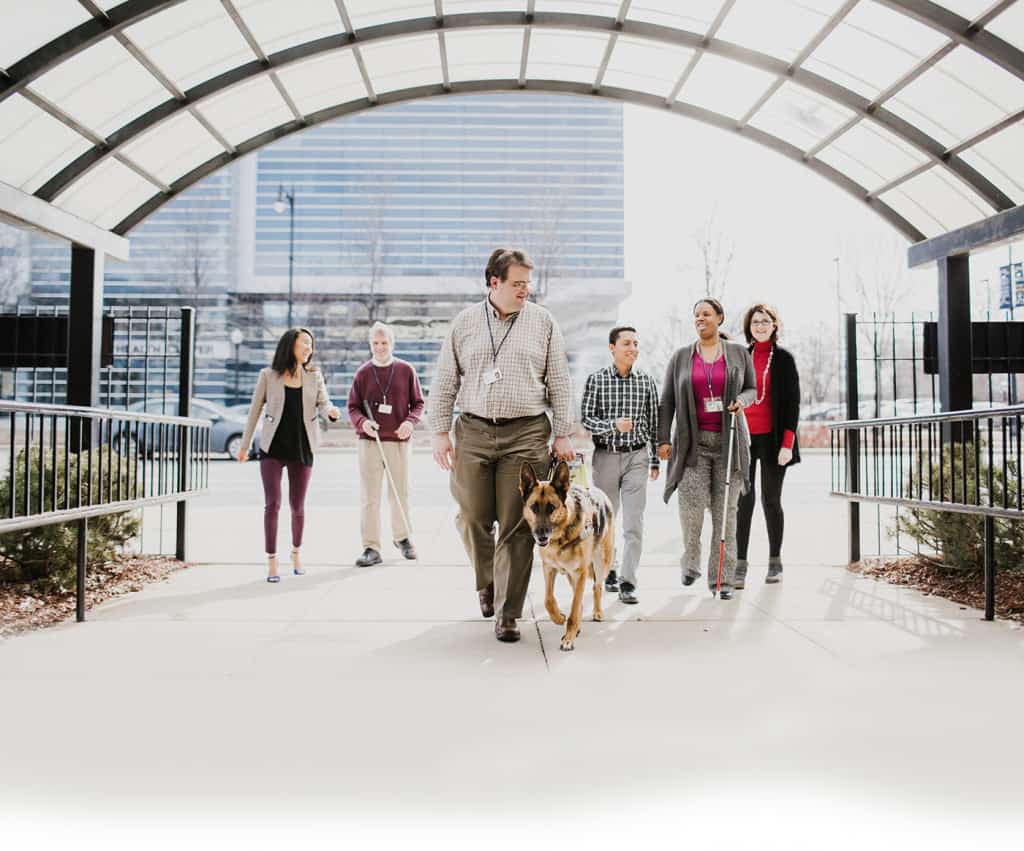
[604, 532]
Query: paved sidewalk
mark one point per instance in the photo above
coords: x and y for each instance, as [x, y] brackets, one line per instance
[828, 711]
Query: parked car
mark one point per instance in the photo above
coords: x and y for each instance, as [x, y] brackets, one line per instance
[228, 426]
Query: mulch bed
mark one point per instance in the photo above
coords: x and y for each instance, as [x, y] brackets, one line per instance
[24, 607]
[960, 586]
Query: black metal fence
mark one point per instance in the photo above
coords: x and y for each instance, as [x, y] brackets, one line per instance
[139, 366]
[898, 364]
[964, 461]
[61, 464]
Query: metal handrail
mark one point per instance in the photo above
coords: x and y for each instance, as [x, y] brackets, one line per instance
[936, 417]
[99, 413]
[934, 462]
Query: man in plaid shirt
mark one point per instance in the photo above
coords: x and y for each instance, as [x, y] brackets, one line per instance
[620, 410]
[504, 360]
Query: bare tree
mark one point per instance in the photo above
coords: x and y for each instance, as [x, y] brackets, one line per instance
[369, 246]
[540, 233]
[881, 286]
[14, 264]
[716, 251]
[659, 342]
[816, 364]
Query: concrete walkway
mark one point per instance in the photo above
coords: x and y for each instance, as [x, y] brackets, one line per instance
[828, 711]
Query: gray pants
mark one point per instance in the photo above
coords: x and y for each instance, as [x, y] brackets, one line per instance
[703, 489]
[623, 477]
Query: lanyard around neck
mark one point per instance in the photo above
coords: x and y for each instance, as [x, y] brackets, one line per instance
[495, 351]
[704, 366]
[391, 377]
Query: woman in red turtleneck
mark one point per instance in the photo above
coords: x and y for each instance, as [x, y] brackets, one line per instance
[772, 420]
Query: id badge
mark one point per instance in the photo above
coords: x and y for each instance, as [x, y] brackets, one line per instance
[712, 405]
[492, 375]
[384, 408]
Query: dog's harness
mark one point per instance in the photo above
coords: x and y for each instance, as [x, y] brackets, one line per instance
[586, 530]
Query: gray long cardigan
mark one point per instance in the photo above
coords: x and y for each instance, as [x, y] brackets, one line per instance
[678, 405]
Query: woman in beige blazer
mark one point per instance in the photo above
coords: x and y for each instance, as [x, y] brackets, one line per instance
[293, 394]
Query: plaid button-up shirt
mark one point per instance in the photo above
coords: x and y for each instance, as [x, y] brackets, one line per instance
[532, 360]
[608, 397]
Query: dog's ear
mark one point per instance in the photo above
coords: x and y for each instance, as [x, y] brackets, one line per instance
[560, 481]
[527, 479]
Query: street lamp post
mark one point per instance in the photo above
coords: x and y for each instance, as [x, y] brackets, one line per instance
[287, 200]
[236, 341]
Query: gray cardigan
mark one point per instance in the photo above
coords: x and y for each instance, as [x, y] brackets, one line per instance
[678, 405]
[270, 390]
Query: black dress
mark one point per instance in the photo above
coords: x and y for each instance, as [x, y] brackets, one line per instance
[290, 441]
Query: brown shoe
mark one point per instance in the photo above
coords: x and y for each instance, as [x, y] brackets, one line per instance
[487, 601]
[505, 629]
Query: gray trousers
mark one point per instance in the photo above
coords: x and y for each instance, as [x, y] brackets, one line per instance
[485, 484]
[701, 489]
[623, 477]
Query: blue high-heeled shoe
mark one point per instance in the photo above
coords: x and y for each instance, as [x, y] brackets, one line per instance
[298, 571]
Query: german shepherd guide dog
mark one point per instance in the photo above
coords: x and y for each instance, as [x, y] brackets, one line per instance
[573, 528]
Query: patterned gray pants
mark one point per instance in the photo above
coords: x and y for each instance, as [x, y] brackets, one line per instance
[703, 489]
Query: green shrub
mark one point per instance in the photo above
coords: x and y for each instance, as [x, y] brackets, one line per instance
[960, 538]
[47, 555]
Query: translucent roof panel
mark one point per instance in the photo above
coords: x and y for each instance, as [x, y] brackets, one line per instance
[34, 144]
[946, 199]
[640, 65]
[1010, 25]
[306, 20]
[872, 48]
[800, 117]
[965, 98]
[985, 94]
[871, 155]
[370, 13]
[779, 29]
[244, 111]
[724, 86]
[45, 22]
[192, 41]
[173, 148]
[695, 16]
[491, 55]
[565, 55]
[999, 159]
[604, 8]
[82, 88]
[105, 193]
[319, 83]
[404, 64]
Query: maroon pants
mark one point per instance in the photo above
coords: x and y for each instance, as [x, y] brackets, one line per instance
[298, 483]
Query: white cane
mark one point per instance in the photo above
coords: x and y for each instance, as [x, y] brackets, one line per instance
[725, 502]
[387, 472]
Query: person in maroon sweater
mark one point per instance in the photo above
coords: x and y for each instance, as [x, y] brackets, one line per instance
[772, 420]
[391, 390]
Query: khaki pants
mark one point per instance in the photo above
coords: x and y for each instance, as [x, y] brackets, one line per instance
[485, 484]
[372, 479]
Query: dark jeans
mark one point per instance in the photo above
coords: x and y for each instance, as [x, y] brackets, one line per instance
[762, 450]
[298, 482]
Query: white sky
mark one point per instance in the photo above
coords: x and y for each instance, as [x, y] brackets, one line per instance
[787, 224]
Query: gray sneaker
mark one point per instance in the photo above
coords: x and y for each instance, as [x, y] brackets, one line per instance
[740, 581]
[774, 571]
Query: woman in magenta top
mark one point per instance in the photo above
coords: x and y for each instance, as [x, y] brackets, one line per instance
[772, 419]
[705, 383]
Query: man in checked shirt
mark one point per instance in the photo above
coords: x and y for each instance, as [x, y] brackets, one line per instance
[620, 410]
[505, 360]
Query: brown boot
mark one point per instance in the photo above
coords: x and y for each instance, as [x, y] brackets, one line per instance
[505, 629]
[487, 601]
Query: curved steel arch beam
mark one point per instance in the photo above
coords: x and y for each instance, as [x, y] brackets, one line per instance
[951, 25]
[696, 113]
[67, 44]
[901, 128]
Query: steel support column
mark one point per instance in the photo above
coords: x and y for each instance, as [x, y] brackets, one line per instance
[852, 436]
[954, 329]
[185, 372]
